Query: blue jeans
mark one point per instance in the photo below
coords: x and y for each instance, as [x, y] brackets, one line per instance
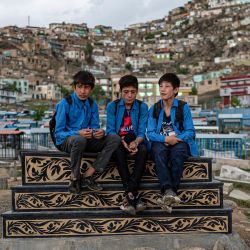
[169, 162]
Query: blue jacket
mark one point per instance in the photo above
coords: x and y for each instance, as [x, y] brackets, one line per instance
[114, 122]
[72, 118]
[187, 135]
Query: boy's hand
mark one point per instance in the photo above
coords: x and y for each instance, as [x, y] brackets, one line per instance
[172, 140]
[86, 132]
[98, 133]
[133, 145]
[125, 145]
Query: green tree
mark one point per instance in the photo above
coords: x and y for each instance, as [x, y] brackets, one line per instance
[64, 91]
[12, 87]
[97, 93]
[88, 50]
[235, 101]
[128, 66]
[149, 36]
[183, 71]
[194, 91]
[39, 112]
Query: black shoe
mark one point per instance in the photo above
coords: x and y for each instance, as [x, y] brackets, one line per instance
[139, 205]
[75, 186]
[128, 205]
[91, 184]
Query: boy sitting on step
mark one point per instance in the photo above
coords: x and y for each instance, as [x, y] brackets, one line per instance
[77, 130]
[172, 135]
[127, 117]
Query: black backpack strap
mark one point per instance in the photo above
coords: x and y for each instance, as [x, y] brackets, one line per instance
[179, 114]
[91, 101]
[139, 113]
[116, 103]
[68, 99]
[157, 110]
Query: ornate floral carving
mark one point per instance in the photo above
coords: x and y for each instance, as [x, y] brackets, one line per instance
[109, 199]
[107, 226]
[40, 169]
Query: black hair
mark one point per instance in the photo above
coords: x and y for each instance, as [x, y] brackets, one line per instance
[171, 78]
[85, 78]
[127, 81]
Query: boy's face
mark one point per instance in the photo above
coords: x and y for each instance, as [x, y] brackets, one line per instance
[128, 94]
[82, 91]
[167, 90]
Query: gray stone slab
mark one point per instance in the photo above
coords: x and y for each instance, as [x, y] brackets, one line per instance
[239, 195]
[130, 242]
[234, 173]
[227, 188]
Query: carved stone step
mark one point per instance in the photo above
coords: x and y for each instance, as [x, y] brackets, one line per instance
[50, 224]
[51, 168]
[193, 195]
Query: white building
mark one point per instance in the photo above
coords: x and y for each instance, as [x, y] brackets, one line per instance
[49, 91]
[74, 54]
[137, 62]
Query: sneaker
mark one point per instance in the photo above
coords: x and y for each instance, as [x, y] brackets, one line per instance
[170, 198]
[74, 186]
[91, 184]
[128, 205]
[139, 205]
[163, 206]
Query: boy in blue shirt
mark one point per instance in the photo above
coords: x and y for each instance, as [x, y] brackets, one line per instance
[77, 130]
[127, 117]
[172, 140]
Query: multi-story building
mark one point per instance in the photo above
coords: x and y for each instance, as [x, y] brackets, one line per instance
[74, 53]
[223, 3]
[208, 85]
[46, 91]
[7, 96]
[80, 30]
[236, 86]
[21, 84]
[106, 84]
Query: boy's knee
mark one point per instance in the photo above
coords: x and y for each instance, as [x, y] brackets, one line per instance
[156, 146]
[80, 141]
[143, 149]
[114, 138]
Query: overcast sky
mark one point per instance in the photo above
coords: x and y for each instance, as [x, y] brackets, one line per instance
[115, 13]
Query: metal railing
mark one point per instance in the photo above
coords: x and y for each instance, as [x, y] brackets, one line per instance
[222, 145]
[209, 145]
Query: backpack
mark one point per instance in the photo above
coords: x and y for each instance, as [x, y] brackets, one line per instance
[178, 113]
[52, 122]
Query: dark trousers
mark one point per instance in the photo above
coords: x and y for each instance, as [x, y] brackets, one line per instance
[131, 181]
[77, 145]
[169, 162]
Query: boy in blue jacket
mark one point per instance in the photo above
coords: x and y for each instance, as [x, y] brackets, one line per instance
[127, 117]
[172, 140]
[77, 130]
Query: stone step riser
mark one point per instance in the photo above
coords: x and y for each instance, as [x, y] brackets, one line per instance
[52, 170]
[207, 197]
[54, 225]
